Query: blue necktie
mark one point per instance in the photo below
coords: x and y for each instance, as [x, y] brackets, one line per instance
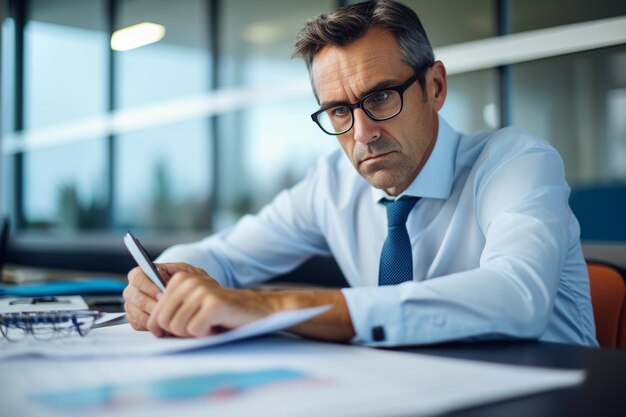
[396, 259]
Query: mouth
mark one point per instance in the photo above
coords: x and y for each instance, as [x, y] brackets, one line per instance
[375, 158]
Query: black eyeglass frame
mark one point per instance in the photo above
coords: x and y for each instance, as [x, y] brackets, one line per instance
[53, 323]
[400, 89]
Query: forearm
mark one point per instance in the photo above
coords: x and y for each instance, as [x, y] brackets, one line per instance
[334, 325]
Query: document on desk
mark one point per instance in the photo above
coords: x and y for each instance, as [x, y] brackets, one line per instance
[272, 376]
[42, 304]
[122, 340]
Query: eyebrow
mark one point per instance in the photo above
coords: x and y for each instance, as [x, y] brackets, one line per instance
[381, 85]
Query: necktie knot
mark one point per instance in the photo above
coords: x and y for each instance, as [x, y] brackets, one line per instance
[398, 211]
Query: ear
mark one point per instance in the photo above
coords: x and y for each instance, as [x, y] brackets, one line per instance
[437, 85]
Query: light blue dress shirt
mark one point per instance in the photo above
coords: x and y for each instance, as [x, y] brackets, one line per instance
[496, 248]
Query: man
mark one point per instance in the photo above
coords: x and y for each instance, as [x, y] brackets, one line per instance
[484, 246]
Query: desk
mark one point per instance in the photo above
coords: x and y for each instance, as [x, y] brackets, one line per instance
[602, 394]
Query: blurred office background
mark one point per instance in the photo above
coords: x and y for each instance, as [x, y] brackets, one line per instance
[179, 138]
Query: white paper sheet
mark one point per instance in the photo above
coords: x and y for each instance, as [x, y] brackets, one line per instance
[273, 376]
[123, 340]
[107, 317]
[22, 304]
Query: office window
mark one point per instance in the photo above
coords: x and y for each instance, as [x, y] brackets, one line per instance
[578, 103]
[163, 178]
[272, 143]
[182, 168]
[6, 187]
[7, 106]
[163, 174]
[539, 14]
[7, 89]
[449, 22]
[65, 46]
[472, 103]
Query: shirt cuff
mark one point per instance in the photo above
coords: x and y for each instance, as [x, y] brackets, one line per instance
[376, 314]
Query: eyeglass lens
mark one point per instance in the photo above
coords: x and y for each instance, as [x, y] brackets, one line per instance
[44, 326]
[380, 105]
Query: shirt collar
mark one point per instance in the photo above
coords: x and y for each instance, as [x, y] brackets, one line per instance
[437, 175]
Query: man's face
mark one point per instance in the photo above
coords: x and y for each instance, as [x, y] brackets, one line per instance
[388, 154]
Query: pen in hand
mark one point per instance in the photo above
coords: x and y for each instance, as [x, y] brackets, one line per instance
[143, 260]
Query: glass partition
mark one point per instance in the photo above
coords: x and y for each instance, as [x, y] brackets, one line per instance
[216, 114]
[473, 102]
[163, 172]
[578, 103]
[539, 14]
[272, 143]
[65, 80]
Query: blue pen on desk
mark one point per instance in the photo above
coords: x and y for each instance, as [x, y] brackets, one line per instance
[143, 260]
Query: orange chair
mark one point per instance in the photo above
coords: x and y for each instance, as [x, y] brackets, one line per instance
[608, 297]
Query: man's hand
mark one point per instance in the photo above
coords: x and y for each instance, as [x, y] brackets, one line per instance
[193, 306]
[140, 296]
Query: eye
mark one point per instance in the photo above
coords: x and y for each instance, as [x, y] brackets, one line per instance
[338, 111]
[379, 97]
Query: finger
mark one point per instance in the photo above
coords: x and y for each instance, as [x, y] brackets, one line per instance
[152, 326]
[169, 303]
[164, 271]
[171, 268]
[182, 316]
[205, 321]
[139, 280]
[166, 305]
[138, 299]
[178, 278]
[225, 309]
[137, 318]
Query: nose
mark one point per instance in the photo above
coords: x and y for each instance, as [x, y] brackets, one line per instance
[366, 130]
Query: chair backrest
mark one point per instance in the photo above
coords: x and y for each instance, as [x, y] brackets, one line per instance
[608, 297]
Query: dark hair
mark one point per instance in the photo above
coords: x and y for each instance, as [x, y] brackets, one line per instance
[348, 24]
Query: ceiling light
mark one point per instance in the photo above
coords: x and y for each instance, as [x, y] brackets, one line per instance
[134, 36]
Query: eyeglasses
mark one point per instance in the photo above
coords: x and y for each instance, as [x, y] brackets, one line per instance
[46, 325]
[379, 105]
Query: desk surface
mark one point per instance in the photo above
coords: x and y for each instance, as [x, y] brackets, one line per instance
[602, 394]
